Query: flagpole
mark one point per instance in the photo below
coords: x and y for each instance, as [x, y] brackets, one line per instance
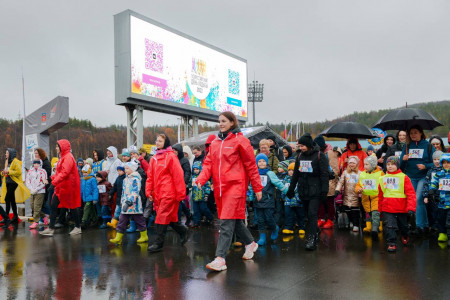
[23, 128]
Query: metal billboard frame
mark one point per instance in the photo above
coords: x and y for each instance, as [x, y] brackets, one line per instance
[134, 103]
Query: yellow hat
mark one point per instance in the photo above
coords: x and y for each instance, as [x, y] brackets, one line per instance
[291, 166]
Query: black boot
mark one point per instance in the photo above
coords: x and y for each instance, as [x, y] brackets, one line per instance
[311, 242]
[5, 222]
[158, 244]
[15, 220]
[182, 231]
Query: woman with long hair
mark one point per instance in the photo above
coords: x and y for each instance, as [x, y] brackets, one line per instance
[231, 164]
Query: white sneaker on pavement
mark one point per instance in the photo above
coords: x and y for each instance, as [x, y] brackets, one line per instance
[250, 251]
[47, 232]
[75, 230]
[217, 264]
[355, 229]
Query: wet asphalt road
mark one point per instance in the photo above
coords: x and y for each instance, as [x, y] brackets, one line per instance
[345, 266]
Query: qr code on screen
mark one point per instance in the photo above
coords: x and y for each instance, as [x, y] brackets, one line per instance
[154, 58]
[233, 82]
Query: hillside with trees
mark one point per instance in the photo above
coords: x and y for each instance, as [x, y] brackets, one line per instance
[85, 137]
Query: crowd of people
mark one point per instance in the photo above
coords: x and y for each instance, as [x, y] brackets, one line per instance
[402, 188]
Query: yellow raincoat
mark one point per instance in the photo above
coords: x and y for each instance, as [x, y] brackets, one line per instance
[15, 172]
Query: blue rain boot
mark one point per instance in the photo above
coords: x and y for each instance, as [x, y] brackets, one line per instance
[274, 234]
[104, 225]
[262, 239]
[132, 227]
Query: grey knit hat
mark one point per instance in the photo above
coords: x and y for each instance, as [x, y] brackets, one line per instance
[372, 162]
[437, 154]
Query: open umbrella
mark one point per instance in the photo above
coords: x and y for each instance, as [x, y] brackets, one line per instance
[348, 130]
[405, 118]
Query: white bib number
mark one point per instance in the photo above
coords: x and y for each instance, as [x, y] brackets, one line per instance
[369, 184]
[444, 184]
[415, 153]
[398, 153]
[264, 180]
[352, 178]
[391, 183]
[193, 181]
[101, 188]
[305, 166]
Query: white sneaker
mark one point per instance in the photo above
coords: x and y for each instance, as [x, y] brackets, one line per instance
[76, 230]
[250, 251]
[217, 264]
[47, 232]
[355, 229]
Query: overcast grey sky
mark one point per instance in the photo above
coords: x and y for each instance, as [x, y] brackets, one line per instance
[318, 59]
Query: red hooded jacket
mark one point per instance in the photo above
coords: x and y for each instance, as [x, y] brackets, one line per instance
[165, 183]
[67, 179]
[398, 205]
[358, 152]
[231, 163]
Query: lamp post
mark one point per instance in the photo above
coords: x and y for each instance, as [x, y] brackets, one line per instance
[255, 94]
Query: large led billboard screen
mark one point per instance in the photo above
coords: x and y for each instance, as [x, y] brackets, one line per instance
[172, 72]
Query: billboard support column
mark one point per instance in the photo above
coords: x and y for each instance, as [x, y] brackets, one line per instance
[131, 119]
[195, 126]
[186, 127]
[139, 126]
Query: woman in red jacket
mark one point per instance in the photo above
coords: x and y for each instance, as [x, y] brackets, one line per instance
[165, 187]
[231, 163]
[67, 188]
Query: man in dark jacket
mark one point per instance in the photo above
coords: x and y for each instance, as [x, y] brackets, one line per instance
[312, 182]
[275, 148]
[199, 155]
[186, 166]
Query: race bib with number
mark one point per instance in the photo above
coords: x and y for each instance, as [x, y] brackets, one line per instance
[391, 183]
[352, 178]
[444, 184]
[264, 180]
[383, 154]
[101, 188]
[415, 153]
[398, 153]
[193, 181]
[369, 184]
[305, 166]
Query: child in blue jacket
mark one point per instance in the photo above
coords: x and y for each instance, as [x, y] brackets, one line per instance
[432, 204]
[294, 210]
[266, 206]
[89, 195]
[440, 189]
[200, 197]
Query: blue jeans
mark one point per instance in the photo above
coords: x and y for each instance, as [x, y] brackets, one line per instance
[294, 214]
[266, 218]
[118, 212]
[421, 209]
[106, 212]
[201, 209]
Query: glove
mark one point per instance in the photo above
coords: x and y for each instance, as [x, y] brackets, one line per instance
[290, 194]
[336, 193]
[411, 213]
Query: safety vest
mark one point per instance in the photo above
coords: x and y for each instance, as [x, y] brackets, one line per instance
[369, 183]
[393, 185]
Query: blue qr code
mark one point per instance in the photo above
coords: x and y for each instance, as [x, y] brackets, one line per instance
[233, 82]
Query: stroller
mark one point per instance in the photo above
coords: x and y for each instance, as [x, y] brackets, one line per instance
[342, 220]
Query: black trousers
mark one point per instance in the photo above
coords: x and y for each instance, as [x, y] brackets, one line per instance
[54, 212]
[394, 222]
[10, 198]
[311, 206]
[443, 216]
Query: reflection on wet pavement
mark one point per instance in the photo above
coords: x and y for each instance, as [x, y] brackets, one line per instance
[346, 265]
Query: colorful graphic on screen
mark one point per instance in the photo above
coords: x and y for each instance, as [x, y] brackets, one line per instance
[167, 66]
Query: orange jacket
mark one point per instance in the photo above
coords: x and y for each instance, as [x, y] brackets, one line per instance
[358, 152]
[398, 205]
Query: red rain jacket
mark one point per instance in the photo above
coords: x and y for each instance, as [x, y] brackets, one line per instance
[165, 183]
[358, 152]
[231, 163]
[67, 179]
[398, 205]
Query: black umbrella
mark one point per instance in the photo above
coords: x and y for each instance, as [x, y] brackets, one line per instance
[348, 130]
[405, 118]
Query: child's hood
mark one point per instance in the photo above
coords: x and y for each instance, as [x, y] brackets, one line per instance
[197, 165]
[103, 175]
[446, 157]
